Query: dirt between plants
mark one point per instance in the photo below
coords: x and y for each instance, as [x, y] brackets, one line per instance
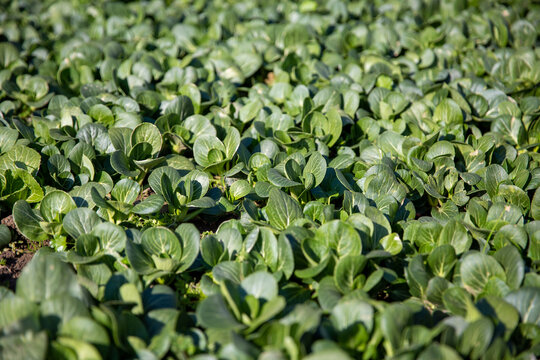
[16, 255]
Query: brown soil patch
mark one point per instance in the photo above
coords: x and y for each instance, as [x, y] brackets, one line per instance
[16, 255]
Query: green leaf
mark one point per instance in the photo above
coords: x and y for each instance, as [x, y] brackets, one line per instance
[315, 166]
[340, 236]
[334, 126]
[5, 236]
[8, 138]
[455, 234]
[126, 191]
[448, 112]
[121, 163]
[20, 157]
[147, 133]
[476, 338]
[392, 243]
[80, 221]
[212, 312]
[441, 260]
[56, 203]
[239, 189]
[161, 242]
[261, 285]
[347, 270]
[189, 236]
[527, 302]
[31, 346]
[477, 269]
[276, 179]
[101, 114]
[204, 147]
[112, 237]
[535, 205]
[495, 174]
[28, 221]
[150, 205]
[282, 209]
[47, 277]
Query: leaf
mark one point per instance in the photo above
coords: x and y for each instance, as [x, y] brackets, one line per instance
[150, 205]
[112, 237]
[448, 112]
[476, 338]
[20, 157]
[476, 270]
[239, 189]
[535, 205]
[80, 221]
[139, 260]
[347, 270]
[126, 191]
[147, 133]
[276, 179]
[5, 236]
[56, 203]
[121, 163]
[206, 149]
[514, 266]
[392, 243]
[212, 312]
[8, 138]
[250, 110]
[417, 277]
[181, 105]
[281, 209]
[101, 114]
[527, 302]
[27, 221]
[495, 174]
[346, 314]
[161, 242]
[189, 236]
[31, 346]
[47, 277]
[315, 166]
[334, 125]
[455, 234]
[261, 285]
[341, 237]
[441, 260]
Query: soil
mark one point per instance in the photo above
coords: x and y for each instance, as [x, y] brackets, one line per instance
[16, 255]
[144, 195]
[205, 223]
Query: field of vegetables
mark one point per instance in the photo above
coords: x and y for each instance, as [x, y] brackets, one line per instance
[219, 179]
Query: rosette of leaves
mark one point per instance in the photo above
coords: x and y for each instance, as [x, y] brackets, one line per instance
[137, 150]
[73, 164]
[182, 134]
[104, 240]
[241, 306]
[18, 185]
[32, 92]
[47, 222]
[329, 243]
[214, 154]
[35, 315]
[159, 252]
[122, 204]
[298, 175]
[326, 127]
[184, 193]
